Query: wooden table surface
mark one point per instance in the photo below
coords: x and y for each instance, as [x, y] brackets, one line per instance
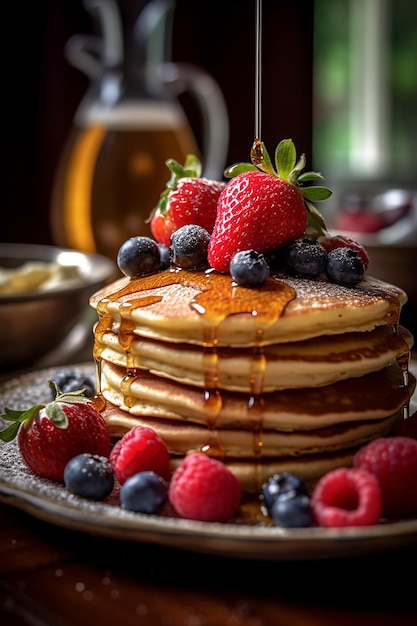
[51, 576]
[54, 577]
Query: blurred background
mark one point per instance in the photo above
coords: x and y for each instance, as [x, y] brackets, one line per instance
[339, 78]
[42, 90]
[365, 94]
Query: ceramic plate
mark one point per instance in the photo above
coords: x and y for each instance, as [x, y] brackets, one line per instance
[51, 502]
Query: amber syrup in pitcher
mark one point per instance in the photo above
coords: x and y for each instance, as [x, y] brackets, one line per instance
[129, 123]
[112, 173]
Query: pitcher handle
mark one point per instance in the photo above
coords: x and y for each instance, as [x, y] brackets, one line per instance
[181, 77]
[90, 53]
[84, 52]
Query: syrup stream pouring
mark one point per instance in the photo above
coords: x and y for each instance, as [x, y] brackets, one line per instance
[256, 151]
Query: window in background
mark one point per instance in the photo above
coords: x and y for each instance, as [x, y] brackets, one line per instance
[365, 90]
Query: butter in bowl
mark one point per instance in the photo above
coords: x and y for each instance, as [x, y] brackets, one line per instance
[44, 292]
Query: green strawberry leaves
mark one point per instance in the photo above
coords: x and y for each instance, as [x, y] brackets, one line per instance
[289, 169]
[17, 417]
[285, 158]
[192, 168]
[53, 410]
[316, 194]
[239, 168]
[70, 397]
[315, 222]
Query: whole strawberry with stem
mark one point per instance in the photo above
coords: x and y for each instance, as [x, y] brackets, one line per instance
[263, 208]
[187, 199]
[50, 435]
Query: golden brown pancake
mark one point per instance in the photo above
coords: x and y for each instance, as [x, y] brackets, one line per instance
[310, 463]
[292, 376]
[308, 433]
[312, 363]
[206, 307]
[372, 397]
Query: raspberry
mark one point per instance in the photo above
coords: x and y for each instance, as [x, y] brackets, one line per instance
[347, 497]
[341, 241]
[140, 449]
[204, 489]
[393, 460]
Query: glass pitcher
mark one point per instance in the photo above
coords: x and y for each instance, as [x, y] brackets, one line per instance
[129, 123]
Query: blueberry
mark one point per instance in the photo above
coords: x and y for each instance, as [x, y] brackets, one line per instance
[344, 266]
[305, 257]
[144, 492]
[292, 510]
[189, 246]
[69, 380]
[139, 256]
[249, 268]
[89, 475]
[280, 484]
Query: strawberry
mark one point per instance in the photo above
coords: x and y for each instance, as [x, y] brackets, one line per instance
[188, 199]
[262, 208]
[341, 241]
[50, 435]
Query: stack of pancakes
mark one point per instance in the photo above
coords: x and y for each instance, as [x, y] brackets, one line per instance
[291, 376]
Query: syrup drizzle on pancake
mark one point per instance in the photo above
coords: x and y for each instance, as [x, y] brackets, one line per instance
[217, 298]
[265, 304]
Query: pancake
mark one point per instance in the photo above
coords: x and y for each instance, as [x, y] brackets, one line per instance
[308, 454]
[307, 434]
[183, 438]
[312, 363]
[310, 468]
[205, 307]
[293, 376]
[372, 397]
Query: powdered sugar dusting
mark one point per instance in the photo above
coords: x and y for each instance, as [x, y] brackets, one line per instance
[20, 394]
[50, 500]
[48, 496]
[319, 293]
